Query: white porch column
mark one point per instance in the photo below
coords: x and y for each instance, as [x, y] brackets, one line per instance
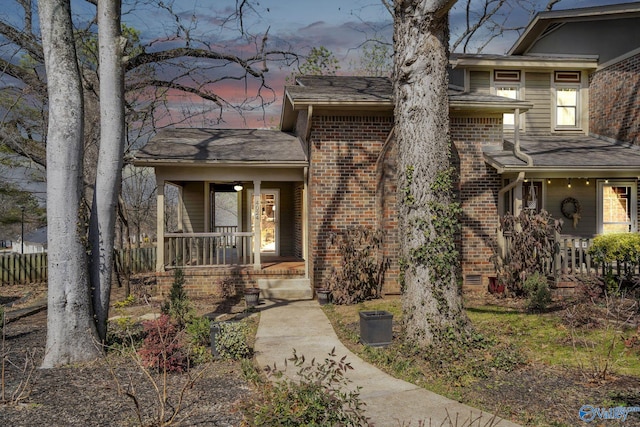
[257, 225]
[160, 225]
[517, 199]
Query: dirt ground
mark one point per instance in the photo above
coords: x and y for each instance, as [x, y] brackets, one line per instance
[95, 394]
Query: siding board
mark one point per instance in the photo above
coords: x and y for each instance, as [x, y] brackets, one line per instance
[538, 92]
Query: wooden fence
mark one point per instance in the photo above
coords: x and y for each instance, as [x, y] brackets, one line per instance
[27, 268]
[32, 268]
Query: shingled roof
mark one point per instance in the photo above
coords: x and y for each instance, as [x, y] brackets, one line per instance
[229, 146]
[564, 153]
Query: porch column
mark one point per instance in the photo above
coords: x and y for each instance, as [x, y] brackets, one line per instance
[517, 199]
[257, 225]
[160, 225]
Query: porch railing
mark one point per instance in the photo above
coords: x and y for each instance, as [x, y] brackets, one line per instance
[571, 257]
[208, 249]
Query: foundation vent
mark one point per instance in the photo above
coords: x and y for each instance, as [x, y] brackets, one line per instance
[473, 279]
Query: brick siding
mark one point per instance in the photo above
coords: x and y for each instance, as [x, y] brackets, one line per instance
[478, 188]
[219, 282]
[344, 187]
[614, 101]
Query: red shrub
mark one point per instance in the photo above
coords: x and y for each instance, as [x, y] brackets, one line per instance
[162, 348]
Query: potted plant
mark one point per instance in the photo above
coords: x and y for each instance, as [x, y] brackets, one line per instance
[251, 296]
[324, 295]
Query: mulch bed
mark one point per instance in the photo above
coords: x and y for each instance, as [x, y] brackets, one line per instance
[93, 394]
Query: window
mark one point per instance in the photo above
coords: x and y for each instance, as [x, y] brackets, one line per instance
[511, 91]
[567, 107]
[617, 209]
[507, 84]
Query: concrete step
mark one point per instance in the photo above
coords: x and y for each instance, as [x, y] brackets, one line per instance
[286, 289]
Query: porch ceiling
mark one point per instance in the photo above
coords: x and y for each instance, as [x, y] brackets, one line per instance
[222, 146]
[566, 153]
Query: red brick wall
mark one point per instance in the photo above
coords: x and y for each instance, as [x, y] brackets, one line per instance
[478, 191]
[219, 282]
[343, 187]
[614, 101]
[297, 219]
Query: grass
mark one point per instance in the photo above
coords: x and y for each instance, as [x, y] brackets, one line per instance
[544, 338]
[505, 339]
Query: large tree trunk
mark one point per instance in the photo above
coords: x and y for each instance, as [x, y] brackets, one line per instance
[431, 299]
[71, 332]
[109, 170]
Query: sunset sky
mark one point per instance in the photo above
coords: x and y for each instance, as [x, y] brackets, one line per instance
[299, 25]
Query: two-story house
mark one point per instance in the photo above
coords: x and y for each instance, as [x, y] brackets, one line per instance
[551, 125]
[575, 152]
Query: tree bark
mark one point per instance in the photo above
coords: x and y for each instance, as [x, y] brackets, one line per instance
[71, 332]
[110, 158]
[432, 301]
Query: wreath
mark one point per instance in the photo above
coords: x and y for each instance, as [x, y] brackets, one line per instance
[571, 209]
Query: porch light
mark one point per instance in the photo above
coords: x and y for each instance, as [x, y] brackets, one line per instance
[568, 182]
[548, 180]
[588, 182]
[237, 186]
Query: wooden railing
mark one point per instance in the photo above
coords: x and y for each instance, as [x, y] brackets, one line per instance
[572, 256]
[208, 249]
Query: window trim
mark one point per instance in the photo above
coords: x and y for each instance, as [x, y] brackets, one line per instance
[507, 76]
[577, 87]
[633, 202]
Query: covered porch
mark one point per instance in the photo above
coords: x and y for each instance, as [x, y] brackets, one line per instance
[231, 200]
[590, 183]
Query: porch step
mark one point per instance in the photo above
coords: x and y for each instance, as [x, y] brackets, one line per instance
[285, 289]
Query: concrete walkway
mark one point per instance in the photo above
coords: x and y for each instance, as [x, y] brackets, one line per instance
[303, 326]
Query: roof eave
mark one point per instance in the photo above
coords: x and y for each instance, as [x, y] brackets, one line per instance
[223, 163]
[493, 107]
[518, 61]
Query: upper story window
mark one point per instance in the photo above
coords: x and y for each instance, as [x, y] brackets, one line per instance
[507, 84]
[567, 99]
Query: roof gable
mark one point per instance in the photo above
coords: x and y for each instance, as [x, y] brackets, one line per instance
[549, 31]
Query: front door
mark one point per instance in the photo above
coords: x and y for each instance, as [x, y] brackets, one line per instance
[270, 223]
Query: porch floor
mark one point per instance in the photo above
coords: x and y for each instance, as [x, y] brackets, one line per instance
[292, 265]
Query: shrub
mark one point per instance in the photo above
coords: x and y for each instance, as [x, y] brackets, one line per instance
[536, 288]
[362, 266]
[319, 396]
[199, 335]
[162, 348]
[620, 248]
[128, 301]
[123, 332]
[231, 341]
[178, 305]
[532, 244]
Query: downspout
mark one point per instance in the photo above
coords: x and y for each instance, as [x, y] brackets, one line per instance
[501, 241]
[307, 130]
[306, 202]
[518, 181]
[516, 140]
